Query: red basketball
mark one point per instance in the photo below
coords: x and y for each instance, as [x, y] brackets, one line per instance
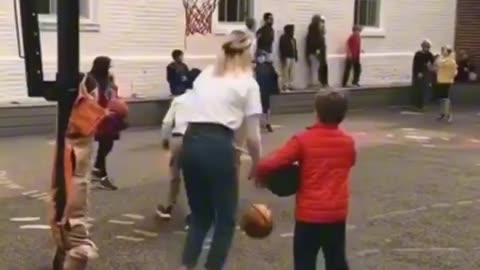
[118, 106]
[257, 221]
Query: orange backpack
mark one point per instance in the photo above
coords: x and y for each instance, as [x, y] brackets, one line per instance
[86, 113]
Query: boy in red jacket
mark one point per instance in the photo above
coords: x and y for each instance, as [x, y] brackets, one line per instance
[326, 155]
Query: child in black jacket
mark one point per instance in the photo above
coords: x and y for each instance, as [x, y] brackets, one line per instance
[267, 79]
[421, 74]
[177, 74]
[288, 56]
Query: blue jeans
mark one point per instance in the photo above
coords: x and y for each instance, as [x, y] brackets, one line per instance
[210, 176]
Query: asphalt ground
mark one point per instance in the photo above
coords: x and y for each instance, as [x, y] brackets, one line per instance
[414, 199]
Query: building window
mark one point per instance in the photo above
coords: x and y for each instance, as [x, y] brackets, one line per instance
[367, 13]
[231, 11]
[49, 7]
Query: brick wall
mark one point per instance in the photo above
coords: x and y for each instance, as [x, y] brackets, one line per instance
[139, 36]
[468, 28]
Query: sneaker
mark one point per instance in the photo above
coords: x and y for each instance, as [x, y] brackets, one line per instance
[188, 221]
[450, 118]
[96, 175]
[441, 117]
[164, 212]
[106, 183]
[58, 260]
[356, 85]
[269, 128]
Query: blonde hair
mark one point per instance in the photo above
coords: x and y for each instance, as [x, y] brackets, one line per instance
[449, 50]
[236, 56]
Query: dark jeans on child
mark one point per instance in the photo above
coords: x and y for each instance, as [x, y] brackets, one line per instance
[105, 146]
[357, 70]
[310, 238]
[323, 68]
[208, 160]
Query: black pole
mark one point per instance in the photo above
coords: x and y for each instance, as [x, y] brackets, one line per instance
[66, 86]
[32, 50]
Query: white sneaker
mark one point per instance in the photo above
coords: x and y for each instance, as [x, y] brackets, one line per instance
[449, 118]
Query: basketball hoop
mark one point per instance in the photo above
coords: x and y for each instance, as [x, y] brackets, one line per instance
[198, 16]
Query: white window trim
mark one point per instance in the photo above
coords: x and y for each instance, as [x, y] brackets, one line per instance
[48, 22]
[379, 31]
[221, 28]
[373, 32]
[225, 28]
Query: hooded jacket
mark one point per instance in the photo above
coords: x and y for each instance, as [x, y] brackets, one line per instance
[315, 40]
[326, 156]
[446, 69]
[288, 43]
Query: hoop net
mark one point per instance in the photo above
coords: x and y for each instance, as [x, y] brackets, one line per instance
[198, 16]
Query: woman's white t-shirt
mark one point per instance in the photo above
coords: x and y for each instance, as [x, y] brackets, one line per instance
[225, 100]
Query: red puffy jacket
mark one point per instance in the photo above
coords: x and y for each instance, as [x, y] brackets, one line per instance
[326, 155]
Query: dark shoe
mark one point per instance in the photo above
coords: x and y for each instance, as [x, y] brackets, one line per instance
[96, 175]
[356, 85]
[419, 109]
[441, 117]
[188, 221]
[164, 212]
[269, 128]
[106, 183]
[58, 260]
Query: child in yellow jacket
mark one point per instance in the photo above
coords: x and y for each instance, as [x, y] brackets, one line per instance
[446, 72]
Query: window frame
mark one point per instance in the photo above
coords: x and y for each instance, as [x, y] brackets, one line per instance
[48, 22]
[224, 28]
[372, 31]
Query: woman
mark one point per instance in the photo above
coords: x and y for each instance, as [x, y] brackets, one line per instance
[446, 72]
[316, 50]
[230, 96]
[106, 136]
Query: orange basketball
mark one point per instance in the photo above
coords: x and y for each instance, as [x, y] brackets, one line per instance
[257, 221]
[118, 106]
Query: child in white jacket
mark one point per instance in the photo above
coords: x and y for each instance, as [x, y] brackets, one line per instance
[173, 129]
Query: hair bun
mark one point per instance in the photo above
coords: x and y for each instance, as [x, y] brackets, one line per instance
[238, 41]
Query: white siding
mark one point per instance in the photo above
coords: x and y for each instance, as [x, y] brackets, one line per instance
[387, 59]
[139, 36]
